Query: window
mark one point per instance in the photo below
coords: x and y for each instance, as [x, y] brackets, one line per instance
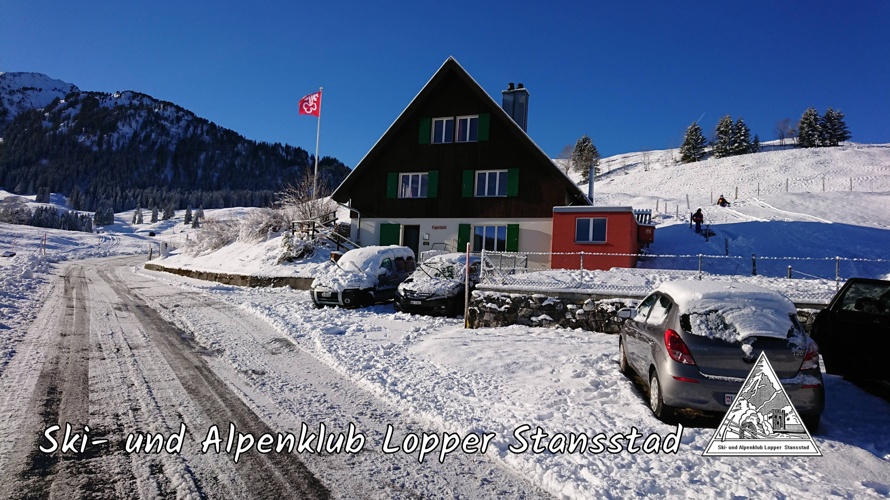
[491, 183]
[413, 185]
[659, 311]
[443, 130]
[467, 128]
[492, 238]
[590, 230]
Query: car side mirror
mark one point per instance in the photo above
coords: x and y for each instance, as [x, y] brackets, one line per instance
[381, 271]
[627, 312]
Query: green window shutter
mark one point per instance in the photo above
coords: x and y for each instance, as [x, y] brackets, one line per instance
[423, 137]
[484, 125]
[469, 183]
[512, 237]
[392, 185]
[513, 182]
[432, 186]
[390, 234]
[463, 237]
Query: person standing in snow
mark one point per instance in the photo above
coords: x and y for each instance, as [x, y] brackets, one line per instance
[698, 218]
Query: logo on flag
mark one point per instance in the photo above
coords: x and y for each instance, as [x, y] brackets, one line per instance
[311, 104]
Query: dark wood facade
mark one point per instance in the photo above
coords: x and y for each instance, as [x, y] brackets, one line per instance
[537, 183]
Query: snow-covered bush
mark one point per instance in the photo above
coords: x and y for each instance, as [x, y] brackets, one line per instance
[260, 224]
[214, 235]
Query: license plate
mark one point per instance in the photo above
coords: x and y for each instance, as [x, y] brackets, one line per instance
[325, 294]
[728, 399]
[414, 302]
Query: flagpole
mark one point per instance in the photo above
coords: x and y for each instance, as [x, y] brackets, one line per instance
[317, 136]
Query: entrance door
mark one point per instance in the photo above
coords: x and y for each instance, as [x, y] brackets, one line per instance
[411, 238]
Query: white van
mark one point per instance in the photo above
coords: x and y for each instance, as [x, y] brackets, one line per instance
[363, 276]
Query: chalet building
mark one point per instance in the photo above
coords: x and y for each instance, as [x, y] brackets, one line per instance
[457, 168]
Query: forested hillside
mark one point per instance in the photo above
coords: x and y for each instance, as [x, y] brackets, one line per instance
[128, 149]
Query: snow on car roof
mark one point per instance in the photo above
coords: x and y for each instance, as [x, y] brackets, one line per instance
[747, 310]
[369, 258]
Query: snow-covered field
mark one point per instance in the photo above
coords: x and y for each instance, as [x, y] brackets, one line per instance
[498, 381]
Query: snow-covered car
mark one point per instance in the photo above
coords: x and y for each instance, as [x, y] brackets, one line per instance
[853, 332]
[8, 253]
[695, 342]
[437, 287]
[363, 276]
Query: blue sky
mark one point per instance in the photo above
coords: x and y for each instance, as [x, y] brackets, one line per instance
[631, 75]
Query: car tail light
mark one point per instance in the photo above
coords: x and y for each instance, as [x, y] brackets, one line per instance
[677, 348]
[811, 358]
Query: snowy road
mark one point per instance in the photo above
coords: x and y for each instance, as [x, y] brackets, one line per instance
[117, 356]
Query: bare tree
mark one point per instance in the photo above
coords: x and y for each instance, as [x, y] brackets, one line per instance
[297, 202]
[784, 130]
[647, 160]
[564, 159]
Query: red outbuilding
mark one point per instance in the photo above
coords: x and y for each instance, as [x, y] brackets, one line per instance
[619, 232]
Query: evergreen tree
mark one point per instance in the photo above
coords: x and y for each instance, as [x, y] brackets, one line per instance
[693, 148]
[199, 214]
[741, 138]
[169, 212]
[724, 139]
[834, 130]
[755, 146]
[584, 156]
[196, 222]
[809, 130]
[188, 216]
[154, 214]
[136, 215]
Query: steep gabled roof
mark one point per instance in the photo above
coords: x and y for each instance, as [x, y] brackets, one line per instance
[449, 67]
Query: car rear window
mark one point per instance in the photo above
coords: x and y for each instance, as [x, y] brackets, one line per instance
[734, 325]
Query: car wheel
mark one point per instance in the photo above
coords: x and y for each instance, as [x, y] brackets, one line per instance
[656, 400]
[623, 367]
[811, 422]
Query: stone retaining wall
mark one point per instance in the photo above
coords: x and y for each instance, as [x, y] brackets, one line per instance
[235, 279]
[494, 309]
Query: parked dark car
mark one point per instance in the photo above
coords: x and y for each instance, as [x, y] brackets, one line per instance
[694, 343]
[437, 287]
[363, 276]
[853, 332]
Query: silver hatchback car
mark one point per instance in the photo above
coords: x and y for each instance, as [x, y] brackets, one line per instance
[694, 343]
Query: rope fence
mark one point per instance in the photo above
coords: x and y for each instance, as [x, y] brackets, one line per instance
[515, 267]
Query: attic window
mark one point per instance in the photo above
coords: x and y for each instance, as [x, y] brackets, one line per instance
[443, 130]
[467, 128]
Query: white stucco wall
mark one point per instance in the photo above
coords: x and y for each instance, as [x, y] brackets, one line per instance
[534, 234]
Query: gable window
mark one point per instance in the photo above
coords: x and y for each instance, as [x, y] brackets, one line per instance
[590, 230]
[492, 238]
[413, 185]
[467, 128]
[443, 130]
[491, 183]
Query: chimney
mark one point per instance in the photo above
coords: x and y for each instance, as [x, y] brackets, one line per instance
[515, 103]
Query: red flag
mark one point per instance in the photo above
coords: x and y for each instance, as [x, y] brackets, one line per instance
[311, 104]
